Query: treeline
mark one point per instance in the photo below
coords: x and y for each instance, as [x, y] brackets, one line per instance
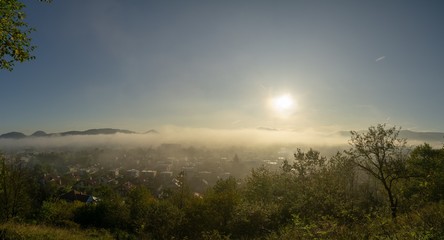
[379, 189]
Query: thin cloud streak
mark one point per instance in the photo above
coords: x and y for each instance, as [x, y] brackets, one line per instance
[380, 59]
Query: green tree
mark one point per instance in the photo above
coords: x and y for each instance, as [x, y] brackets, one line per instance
[309, 162]
[110, 212]
[15, 40]
[14, 35]
[426, 166]
[14, 198]
[260, 186]
[140, 202]
[213, 211]
[164, 221]
[58, 212]
[347, 195]
[220, 202]
[181, 193]
[251, 220]
[381, 153]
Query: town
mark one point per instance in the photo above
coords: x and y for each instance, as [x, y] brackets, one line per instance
[160, 169]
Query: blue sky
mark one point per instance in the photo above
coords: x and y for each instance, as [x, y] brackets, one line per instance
[141, 65]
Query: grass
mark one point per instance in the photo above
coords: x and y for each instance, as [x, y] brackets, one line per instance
[16, 231]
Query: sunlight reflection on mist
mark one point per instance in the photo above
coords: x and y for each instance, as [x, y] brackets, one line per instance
[185, 136]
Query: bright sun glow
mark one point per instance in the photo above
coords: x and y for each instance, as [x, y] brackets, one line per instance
[283, 103]
[282, 106]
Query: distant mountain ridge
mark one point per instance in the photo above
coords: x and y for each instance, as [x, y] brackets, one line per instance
[98, 131]
[14, 135]
[411, 135]
[422, 136]
[39, 134]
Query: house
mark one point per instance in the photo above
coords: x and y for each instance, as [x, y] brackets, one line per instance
[134, 173]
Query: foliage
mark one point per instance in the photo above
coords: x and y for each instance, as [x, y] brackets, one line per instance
[307, 163]
[220, 204]
[110, 214]
[382, 154]
[14, 198]
[253, 220]
[165, 220]
[15, 40]
[140, 202]
[426, 166]
[260, 186]
[424, 224]
[59, 213]
[313, 197]
[213, 235]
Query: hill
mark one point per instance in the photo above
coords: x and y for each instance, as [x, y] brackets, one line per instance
[410, 135]
[39, 134]
[13, 135]
[99, 131]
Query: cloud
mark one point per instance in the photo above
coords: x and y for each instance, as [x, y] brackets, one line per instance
[380, 58]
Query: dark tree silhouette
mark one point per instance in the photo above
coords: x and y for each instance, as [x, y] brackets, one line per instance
[382, 154]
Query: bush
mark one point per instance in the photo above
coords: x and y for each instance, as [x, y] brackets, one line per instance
[59, 213]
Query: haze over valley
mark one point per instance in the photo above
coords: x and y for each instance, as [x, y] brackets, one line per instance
[210, 138]
[221, 119]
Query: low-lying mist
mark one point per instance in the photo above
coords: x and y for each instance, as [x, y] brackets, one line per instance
[186, 136]
[198, 137]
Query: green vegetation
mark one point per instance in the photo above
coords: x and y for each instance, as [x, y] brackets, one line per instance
[15, 42]
[379, 189]
[14, 231]
[382, 154]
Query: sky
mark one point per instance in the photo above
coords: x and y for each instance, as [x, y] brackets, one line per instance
[290, 65]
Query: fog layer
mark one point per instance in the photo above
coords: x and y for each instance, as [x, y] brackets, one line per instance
[185, 136]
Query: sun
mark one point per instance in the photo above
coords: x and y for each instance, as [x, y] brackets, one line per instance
[283, 103]
[282, 106]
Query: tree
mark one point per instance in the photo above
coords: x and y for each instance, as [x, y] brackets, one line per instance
[139, 201]
[165, 220]
[381, 153]
[14, 35]
[15, 40]
[309, 162]
[14, 199]
[58, 212]
[426, 166]
[220, 201]
[260, 186]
